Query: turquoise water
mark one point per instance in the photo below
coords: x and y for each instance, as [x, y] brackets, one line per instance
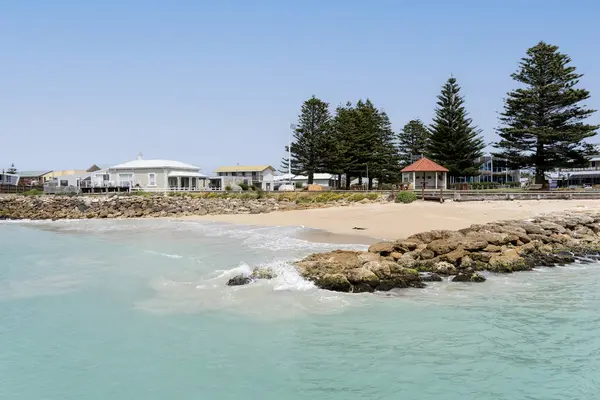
[140, 310]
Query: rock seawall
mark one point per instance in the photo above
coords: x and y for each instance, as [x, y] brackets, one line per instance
[499, 247]
[64, 207]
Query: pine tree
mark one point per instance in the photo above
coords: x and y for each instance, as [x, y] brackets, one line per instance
[412, 141]
[455, 142]
[542, 122]
[308, 146]
[346, 135]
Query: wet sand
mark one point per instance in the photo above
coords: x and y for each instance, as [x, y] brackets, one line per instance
[394, 221]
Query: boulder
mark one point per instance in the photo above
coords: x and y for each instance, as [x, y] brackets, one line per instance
[383, 248]
[454, 256]
[474, 244]
[442, 246]
[426, 254]
[406, 262]
[263, 273]
[469, 277]
[444, 268]
[508, 261]
[239, 280]
[494, 238]
[404, 246]
[380, 268]
[367, 257]
[430, 277]
[362, 279]
[336, 282]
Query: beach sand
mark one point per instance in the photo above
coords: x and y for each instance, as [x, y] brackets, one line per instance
[395, 221]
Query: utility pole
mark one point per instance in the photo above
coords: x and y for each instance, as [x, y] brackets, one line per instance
[292, 128]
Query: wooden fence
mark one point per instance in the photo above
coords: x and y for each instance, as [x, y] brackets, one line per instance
[18, 188]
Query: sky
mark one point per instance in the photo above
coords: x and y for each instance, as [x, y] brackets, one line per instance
[217, 83]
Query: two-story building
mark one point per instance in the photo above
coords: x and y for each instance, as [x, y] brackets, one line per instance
[259, 176]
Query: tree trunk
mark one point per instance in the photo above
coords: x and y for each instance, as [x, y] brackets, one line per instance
[348, 179]
[360, 180]
[540, 177]
[311, 177]
[370, 186]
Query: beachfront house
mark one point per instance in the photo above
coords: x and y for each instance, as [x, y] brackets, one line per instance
[327, 181]
[152, 176]
[9, 179]
[32, 178]
[425, 173]
[259, 176]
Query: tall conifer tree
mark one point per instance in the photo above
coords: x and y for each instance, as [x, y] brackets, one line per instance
[543, 123]
[455, 142]
[308, 150]
[413, 141]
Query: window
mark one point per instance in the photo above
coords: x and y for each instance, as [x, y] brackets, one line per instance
[151, 179]
[125, 178]
[220, 174]
[254, 174]
[64, 183]
[234, 174]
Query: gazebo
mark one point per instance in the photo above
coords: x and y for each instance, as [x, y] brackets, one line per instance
[424, 173]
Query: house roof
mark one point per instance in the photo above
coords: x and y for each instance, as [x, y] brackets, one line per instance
[139, 164]
[424, 165]
[28, 174]
[190, 174]
[244, 168]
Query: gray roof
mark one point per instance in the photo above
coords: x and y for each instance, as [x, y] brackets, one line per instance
[32, 173]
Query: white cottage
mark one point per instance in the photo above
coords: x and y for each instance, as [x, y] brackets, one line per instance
[154, 175]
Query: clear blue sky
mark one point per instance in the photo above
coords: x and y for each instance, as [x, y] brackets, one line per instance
[218, 82]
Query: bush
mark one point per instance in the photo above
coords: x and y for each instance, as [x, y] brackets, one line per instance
[356, 197]
[228, 188]
[406, 196]
[299, 185]
[243, 185]
[373, 196]
[33, 192]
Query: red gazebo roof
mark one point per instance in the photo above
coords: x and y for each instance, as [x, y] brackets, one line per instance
[424, 165]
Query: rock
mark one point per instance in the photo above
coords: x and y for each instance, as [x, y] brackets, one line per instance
[444, 268]
[442, 246]
[367, 257]
[396, 256]
[474, 244]
[508, 261]
[466, 262]
[428, 237]
[494, 238]
[469, 277]
[380, 268]
[454, 256]
[430, 277]
[404, 246]
[383, 248]
[263, 273]
[363, 280]
[426, 254]
[406, 262]
[239, 280]
[492, 248]
[336, 282]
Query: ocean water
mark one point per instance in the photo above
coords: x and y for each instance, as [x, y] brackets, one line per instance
[139, 310]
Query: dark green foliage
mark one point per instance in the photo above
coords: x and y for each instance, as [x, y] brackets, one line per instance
[542, 121]
[243, 186]
[406, 196]
[365, 143]
[455, 142]
[309, 144]
[412, 141]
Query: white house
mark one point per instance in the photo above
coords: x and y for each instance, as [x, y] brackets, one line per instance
[152, 175]
[260, 176]
[328, 181]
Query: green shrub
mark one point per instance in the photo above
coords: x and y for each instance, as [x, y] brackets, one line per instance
[373, 196]
[252, 187]
[357, 197]
[244, 186]
[406, 196]
[299, 185]
[228, 188]
[33, 192]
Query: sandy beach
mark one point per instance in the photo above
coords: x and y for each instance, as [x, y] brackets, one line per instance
[393, 221]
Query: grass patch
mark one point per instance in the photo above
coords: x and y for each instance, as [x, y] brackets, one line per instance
[406, 196]
[33, 192]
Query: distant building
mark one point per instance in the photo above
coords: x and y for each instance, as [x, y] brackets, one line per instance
[328, 181]
[9, 179]
[32, 178]
[260, 176]
[424, 173]
[493, 169]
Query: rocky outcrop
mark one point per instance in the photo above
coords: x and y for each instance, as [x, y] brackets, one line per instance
[257, 273]
[499, 247]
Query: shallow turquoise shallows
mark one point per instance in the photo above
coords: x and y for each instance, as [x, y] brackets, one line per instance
[139, 310]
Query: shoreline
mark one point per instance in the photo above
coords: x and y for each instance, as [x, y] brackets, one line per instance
[390, 221]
